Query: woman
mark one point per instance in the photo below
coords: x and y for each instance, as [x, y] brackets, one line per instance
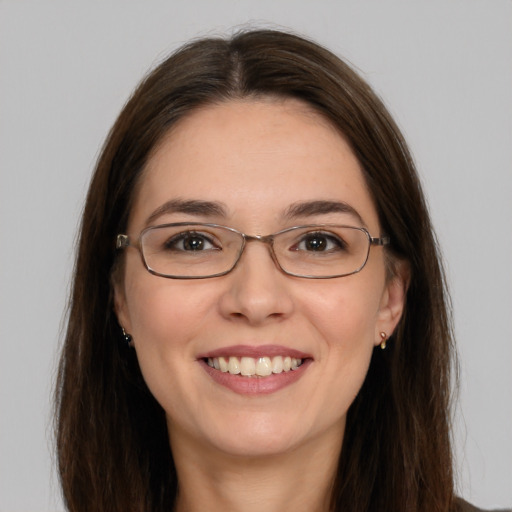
[259, 318]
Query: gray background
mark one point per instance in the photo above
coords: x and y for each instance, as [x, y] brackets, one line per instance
[66, 68]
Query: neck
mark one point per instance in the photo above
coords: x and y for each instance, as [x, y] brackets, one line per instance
[300, 479]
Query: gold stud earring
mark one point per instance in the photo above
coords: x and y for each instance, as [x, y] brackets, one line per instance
[383, 337]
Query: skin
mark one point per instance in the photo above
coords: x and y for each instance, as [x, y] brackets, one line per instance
[273, 451]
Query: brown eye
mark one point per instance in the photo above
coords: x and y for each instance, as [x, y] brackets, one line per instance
[190, 241]
[320, 242]
[315, 243]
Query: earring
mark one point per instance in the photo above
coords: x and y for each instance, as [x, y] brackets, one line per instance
[383, 337]
[127, 338]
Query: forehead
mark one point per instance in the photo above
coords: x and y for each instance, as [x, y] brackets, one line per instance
[256, 157]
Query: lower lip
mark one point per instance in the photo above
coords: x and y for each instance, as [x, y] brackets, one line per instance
[256, 385]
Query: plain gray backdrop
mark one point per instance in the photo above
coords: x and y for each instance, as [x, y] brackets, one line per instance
[444, 68]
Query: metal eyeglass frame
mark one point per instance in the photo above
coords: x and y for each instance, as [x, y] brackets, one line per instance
[123, 241]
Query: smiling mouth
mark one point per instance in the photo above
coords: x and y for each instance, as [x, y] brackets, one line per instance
[254, 367]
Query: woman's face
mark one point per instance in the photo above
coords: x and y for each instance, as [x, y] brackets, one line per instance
[262, 166]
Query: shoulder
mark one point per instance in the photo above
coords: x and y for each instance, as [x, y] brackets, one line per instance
[464, 506]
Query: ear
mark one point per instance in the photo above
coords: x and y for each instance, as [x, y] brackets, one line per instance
[120, 305]
[392, 302]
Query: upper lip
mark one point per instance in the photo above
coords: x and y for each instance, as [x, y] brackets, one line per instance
[254, 351]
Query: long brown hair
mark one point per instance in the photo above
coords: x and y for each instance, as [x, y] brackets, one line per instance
[113, 449]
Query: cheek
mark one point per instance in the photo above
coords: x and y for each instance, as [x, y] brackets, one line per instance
[163, 311]
[345, 312]
[344, 318]
[164, 318]
[167, 319]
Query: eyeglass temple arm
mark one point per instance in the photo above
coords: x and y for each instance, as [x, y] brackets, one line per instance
[385, 240]
[122, 241]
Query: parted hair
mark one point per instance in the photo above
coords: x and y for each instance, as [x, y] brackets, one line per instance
[112, 443]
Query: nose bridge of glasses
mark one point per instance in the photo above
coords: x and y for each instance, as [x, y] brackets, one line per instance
[267, 240]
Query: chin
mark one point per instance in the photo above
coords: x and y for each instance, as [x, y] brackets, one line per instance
[261, 435]
[258, 443]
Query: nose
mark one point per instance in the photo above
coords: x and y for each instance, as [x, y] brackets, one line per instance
[256, 290]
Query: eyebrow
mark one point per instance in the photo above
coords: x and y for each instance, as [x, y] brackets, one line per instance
[320, 207]
[189, 207]
[203, 208]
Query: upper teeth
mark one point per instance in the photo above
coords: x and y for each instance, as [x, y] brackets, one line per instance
[249, 366]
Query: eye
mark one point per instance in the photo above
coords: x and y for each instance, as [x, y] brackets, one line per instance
[191, 241]
[320, 242]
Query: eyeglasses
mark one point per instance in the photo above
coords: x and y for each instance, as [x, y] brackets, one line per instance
[198, 251]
